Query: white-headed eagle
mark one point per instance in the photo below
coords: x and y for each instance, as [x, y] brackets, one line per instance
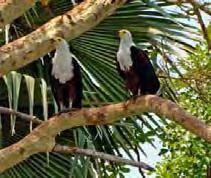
[134, 66]
[65, 76]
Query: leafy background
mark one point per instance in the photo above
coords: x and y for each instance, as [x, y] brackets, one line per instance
[184, 154]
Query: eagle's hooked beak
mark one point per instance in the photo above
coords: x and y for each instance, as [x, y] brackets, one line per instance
[122, 33]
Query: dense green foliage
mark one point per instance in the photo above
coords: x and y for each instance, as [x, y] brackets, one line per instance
[184, 154]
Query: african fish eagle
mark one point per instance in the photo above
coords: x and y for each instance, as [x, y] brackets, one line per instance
[65, 76]
[134, 66]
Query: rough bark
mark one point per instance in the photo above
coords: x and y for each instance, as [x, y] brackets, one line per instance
[70, 25]
[42, 139]
[12, 9]
[75, 150]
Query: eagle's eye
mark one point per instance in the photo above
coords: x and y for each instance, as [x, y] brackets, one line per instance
[122, 33]
[59, 39]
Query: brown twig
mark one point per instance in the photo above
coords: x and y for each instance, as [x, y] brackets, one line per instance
[26, 117]
[101, 155]
[201, 22]
[204, 7]
[208, 171]
[184, 78]
[197, 6]
[189, 82]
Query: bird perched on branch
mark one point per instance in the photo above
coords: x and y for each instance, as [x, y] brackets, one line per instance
[65, 76]
[134, 66]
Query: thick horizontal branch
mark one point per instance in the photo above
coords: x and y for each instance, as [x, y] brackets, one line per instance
[12, 9]
[26, 117]
[69, 26]
[76, 150]
[101, 155]
[42, 138]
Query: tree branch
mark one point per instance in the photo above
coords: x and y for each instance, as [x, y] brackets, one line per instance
[69, 26]
[203, 6]
[26, 117]
[12, 9]
[75, 150]
[101, 155]
[42, 138]
[203, 26]
[207, 77]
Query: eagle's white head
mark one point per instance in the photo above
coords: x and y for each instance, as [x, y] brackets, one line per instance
[124, 53]
[126, 38]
